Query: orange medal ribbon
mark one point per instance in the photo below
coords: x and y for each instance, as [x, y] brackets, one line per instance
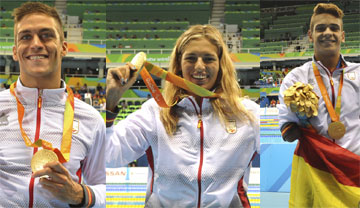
[334, 113]
[64, 154]
[145, 67]
[336, 129]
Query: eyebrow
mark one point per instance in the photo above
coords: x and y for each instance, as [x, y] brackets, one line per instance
[42, 30]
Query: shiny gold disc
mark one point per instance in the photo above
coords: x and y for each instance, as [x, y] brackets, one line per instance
[42, 157]
[336, 130]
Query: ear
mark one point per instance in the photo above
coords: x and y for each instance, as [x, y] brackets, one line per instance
[64, 50]
[310, 36]
[343, 36]
[15, 54]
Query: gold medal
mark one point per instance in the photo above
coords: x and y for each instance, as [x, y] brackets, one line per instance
[42, 157]
[336, 130]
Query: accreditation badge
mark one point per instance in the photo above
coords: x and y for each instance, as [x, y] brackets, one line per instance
[231, 126]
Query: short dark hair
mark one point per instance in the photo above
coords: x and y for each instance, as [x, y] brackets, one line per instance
[326, 8]
[37, 7]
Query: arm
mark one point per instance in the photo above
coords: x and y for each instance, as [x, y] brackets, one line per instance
[130, 138]
[118, 80]
[288, 121]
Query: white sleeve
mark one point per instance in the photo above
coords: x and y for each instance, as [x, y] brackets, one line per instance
[128, 140]
[94, 170]
[255, 110]
[285, 114]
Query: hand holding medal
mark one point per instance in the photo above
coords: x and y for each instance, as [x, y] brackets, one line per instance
[301, 99]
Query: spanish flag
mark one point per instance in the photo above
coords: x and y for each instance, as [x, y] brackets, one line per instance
[324, 174]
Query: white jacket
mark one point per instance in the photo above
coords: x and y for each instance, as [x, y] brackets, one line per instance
[87, 149]
[350, 100]
[207, 158]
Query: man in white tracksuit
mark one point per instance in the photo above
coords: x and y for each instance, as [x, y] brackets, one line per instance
[326, 33]
[39, 48]
[202, 160]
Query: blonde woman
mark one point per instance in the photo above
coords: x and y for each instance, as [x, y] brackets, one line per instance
[200, 149]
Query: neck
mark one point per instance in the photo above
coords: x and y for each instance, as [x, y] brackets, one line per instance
[330, 62]
[40, 82]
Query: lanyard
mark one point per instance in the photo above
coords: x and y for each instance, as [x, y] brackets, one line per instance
[171, 77]
[334, 114]
[64, 153]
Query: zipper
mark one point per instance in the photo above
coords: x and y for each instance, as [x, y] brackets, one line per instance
[37, 134]
[201, 127]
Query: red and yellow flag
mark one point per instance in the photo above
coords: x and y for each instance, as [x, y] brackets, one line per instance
[324, 174]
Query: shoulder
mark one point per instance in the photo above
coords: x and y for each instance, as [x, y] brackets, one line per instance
[5, 96]
[86, 111]
[250, 105]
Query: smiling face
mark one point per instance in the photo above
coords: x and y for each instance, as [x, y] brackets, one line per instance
[327, 35]
[200, 63]
[38, 48]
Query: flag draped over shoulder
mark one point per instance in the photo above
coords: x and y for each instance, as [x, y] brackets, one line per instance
[324, 174]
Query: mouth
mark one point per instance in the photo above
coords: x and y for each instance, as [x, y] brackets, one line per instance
[328, 41]
[37, 57]
[199, 76]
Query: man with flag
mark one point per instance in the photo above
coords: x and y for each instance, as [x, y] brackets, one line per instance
[50, 142]
[326, 163]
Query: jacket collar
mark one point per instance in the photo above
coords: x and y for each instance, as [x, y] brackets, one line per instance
[344, 64]
[29, 96]
[189, 102]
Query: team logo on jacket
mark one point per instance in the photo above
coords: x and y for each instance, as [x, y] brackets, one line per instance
[75, 127]
[351, 75]
[4, 120]
[231, 127]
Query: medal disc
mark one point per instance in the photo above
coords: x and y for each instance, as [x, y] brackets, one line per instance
[336, 130]
[42, 157]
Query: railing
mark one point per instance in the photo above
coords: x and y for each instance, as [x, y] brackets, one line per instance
[134, 51]
[7, 39]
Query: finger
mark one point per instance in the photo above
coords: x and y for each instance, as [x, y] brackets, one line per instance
[49, 182]
[57, 167]
[51, 175]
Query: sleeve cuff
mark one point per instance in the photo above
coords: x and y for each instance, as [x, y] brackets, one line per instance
[89, 198]
[290, 131]
[111, 116]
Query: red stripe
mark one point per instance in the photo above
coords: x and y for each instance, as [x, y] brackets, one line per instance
[37, 135]
[323, 154]
[150, 159]
[242, 194]
[201, 161]
[79, 171]
[90, 196]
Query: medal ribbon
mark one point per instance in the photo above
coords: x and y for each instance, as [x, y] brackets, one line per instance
[174, 79]
[64, 154]
[334, 114]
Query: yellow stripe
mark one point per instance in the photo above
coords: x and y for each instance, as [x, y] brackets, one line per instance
[311, 187]
[125, 199]
[127, 206]
[126, 194]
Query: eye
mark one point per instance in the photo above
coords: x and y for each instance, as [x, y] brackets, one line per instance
[46, 35]
[209, 59]
[25, 37]
[320, 28]
[334, 28]
[191, 58]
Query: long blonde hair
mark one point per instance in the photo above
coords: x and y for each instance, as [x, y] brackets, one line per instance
[228, 105]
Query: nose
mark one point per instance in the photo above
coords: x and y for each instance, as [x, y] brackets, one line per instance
[199, 65]
[328, 31]
[36, 43]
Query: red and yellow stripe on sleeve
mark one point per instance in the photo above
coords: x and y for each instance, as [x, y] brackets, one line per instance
[324, 174]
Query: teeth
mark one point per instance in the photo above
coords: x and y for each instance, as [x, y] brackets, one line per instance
[36, 57]
[199, 76]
